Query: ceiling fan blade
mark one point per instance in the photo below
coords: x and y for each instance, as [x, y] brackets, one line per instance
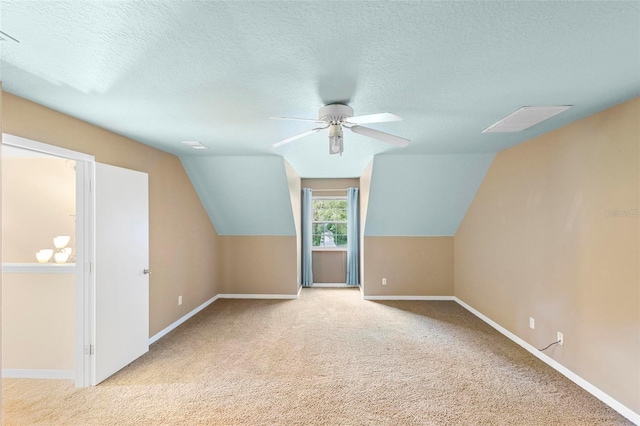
[383, 117]
[298, 136]
[313, 120]
[381, 136]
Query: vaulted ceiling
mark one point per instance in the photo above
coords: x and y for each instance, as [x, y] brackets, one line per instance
[162, 72]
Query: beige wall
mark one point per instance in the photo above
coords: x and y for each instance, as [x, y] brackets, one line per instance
[329, 266]
[537, 242]
[413, 266]
[295, 193]
[258, 265]
[39, 201]
[38, 321]
[183, 242]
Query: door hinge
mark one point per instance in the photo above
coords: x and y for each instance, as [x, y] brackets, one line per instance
[90, 185]
[90, 267]
[89, 349]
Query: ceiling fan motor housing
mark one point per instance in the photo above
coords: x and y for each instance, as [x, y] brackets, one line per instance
[335, 113]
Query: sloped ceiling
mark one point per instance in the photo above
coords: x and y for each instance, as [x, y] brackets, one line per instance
[423, 195]
[162, 72]
[243, 195]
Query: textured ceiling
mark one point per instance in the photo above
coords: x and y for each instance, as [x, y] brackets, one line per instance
[162, 72]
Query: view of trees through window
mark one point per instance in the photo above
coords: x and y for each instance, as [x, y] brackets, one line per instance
[329, 226]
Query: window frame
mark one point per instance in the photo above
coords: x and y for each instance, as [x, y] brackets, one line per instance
[328, 197]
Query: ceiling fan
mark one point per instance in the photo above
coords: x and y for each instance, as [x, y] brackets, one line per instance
[335, 117]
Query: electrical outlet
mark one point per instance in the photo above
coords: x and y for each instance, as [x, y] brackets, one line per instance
[384, 281]
[179, 300]
[560, 338]
[532, 323]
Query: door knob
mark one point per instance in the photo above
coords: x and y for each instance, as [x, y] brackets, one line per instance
[146, 272]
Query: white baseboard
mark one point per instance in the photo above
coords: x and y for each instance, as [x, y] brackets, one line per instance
[299, 290]
[331, 285]
[408, 297]
[14, 373]
[173, 326]
[593, 390]
[611, 402]
[258, 296]
[170, 328]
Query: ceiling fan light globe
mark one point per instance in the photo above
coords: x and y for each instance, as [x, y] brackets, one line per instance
[335, 139]
[336, 145]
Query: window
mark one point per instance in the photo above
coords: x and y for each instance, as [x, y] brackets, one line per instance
[329, 226]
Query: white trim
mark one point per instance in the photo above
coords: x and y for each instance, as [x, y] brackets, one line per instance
[180, 321]
[15, 373]
[18, 142]
[258, 296]
[336, 249]
[85, 257]
[39, 268]
[331, 285]
[85, 251]
[299, 291]
[408, 298]
[602, 396]
[173, 326]
[409, 236]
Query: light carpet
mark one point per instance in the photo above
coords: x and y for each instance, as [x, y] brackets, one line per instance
[328, 358]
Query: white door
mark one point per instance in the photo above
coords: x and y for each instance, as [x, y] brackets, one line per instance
[121, 270]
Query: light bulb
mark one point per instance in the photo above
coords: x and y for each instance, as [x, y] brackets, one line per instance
[335, 139]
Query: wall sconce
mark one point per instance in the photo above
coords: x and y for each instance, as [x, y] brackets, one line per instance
[44, 255]
[61, 241]
[62, 254]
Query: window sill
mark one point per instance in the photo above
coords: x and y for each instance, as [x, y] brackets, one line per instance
[329, 249]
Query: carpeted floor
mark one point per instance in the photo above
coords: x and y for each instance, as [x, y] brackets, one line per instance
[327, 358]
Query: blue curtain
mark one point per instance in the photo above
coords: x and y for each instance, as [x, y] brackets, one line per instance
[353, 219]
[307, 237]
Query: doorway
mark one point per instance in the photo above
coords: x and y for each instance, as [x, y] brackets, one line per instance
[110, 301]
[47, 237]
[38, 210]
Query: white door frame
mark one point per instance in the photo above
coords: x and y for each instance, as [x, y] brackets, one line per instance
[85, 250]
